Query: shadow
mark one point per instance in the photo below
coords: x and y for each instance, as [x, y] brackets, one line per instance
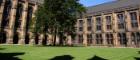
[137, 58]
[10, 56]
[2, 48]
[64, 57]
[96, 58]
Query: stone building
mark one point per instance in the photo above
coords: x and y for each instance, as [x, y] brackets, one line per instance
[114, 23]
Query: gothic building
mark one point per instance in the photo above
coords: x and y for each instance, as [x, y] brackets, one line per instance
[115, 24]
[14, 20]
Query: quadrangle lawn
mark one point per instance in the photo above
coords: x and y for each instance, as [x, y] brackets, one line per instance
[15, 52]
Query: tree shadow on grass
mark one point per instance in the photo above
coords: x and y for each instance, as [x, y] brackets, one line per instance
[96, 58]
[138, 58]
[64, 57]
[2, 48]
[10, 56]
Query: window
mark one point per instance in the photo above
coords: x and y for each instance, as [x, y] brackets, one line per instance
[89, 38]
[99, 39]
[80, 38]
[80, 28]
[108, 22]
[80, 25]
[133, 16]
[18, 15]
[98, 24]
[98, 20]
[121, 21]
[109, 38]
[89, 23]
[98, 27]
[122, 39]
[89, 28]
[135, 38]
[6, 13]
[80, 22]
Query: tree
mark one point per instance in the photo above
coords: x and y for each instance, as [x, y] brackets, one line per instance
[58, 17]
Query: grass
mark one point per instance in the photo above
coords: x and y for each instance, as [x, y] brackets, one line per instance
[66, 53]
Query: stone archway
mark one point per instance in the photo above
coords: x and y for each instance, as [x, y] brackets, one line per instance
[122, 39]
[16, 38]
[27, 38]
[3, 37]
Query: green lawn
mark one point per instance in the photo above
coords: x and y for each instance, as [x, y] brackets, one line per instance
[78, 53]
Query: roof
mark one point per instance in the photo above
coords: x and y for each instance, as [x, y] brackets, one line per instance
[112, 5]
[37, 1]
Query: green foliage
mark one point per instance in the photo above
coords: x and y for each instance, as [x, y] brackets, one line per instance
[57, 17]
[59, 14]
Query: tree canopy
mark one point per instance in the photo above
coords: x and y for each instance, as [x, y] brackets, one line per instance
[57, 17]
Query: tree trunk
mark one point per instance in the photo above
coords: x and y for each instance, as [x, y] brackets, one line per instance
[54, 38]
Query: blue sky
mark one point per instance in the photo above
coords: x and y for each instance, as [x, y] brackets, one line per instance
[93, 2]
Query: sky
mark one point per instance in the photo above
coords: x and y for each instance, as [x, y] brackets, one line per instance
[88, 3]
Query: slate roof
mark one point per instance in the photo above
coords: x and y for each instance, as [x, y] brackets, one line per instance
[112, 5]
[38, 1]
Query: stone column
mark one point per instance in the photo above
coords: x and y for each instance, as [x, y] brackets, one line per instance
[129, 44]
[138, 18]
[115, 29]
[1, 11]
[32, 39]
[23, 23]
[128, 28]
[93, 30]
[104, 29]
[11, 22]
[94, 40]
[85, 32]
[77, 32]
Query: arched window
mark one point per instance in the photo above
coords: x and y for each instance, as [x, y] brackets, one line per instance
[29, 16]
[6, 13]
[89, 38]
[109, 38]
[19, 15]
[122, 39]
[80, 38]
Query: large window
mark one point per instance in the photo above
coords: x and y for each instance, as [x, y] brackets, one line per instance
[99, 39]
[122, 39]
[80, 38]
[80, 25]
[89, 23]
[6, 13]
[89, 38]
[98, 24]
[135, 37]
[121, 21]
[109, 38]
[18, 15]
[134, 22]
[108, 23]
